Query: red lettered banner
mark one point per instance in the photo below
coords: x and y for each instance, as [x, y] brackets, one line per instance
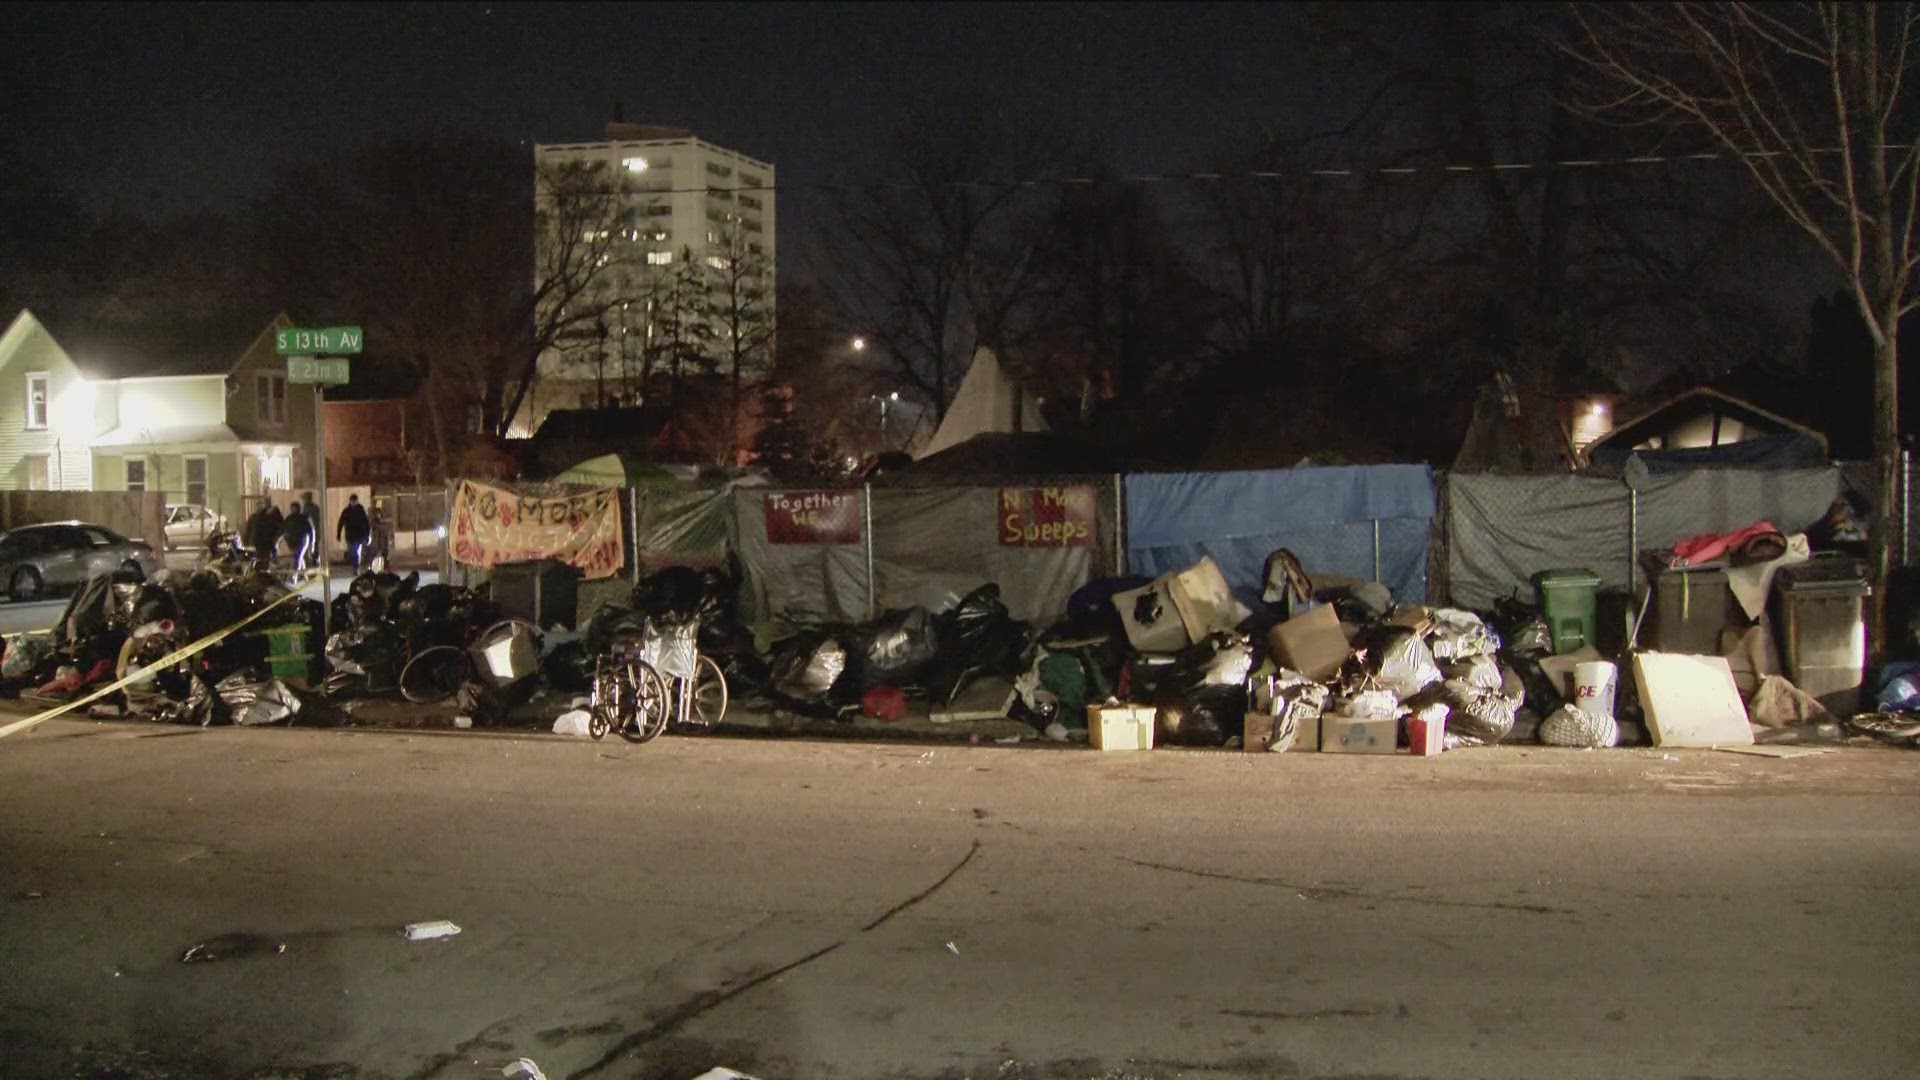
[1047, 517]
[813, 517]
[493, 525]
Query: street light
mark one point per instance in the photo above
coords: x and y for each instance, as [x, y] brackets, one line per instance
[859, 344]
[884, 402]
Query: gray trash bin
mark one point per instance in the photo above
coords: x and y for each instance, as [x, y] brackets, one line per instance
[1823, 629]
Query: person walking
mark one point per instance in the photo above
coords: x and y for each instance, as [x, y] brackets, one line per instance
[264, 533]
[297, 531]
[352, 529]
[382, 538]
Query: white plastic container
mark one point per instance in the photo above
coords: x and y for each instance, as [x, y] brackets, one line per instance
[1594, 683]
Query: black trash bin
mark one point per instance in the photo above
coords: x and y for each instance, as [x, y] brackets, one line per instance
[545, 592]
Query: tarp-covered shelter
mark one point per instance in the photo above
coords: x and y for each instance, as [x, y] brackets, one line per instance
[1704, 428]
[1341, 520]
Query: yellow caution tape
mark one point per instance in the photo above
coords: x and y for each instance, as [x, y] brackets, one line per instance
[148, 672]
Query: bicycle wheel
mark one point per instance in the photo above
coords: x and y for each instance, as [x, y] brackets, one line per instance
[651, 705]
[435, 674]
[709, 693]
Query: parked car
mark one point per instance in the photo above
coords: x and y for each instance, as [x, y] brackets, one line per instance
[37, 559]
[189, 525]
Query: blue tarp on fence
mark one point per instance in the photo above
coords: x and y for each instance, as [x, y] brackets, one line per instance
[1325, 516]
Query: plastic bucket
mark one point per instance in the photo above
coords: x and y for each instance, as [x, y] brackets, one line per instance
[1593, 685]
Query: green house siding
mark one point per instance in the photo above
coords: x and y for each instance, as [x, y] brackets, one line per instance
[26, 347]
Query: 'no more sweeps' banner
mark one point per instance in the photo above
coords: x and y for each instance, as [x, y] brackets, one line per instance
[493, 526]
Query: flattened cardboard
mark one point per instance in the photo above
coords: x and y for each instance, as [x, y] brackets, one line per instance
[1691, 700]
[1166, 634]
[1312, 644]
[1560, 668]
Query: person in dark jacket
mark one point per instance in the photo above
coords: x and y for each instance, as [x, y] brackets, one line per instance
[297, 531]
[264, 533]
[353, 529]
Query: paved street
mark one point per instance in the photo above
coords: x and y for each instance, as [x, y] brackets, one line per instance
[801, 909]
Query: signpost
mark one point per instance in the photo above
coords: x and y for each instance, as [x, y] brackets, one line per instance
[305, 349]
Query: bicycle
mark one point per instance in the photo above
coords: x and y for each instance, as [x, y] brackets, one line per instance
[437, 672]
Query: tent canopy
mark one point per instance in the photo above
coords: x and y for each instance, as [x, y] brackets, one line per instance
[989, 400]
[627, 470]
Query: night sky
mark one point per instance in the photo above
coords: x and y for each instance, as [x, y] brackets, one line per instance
[186, 107]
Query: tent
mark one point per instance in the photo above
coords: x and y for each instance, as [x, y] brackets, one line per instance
[988, 401]
[626, 470]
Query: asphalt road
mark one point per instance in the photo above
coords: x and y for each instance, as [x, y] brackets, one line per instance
[797, 909]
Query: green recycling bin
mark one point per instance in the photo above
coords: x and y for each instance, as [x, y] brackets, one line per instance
[1567, 597]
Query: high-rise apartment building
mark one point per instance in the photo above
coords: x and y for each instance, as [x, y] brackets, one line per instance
[683, 199]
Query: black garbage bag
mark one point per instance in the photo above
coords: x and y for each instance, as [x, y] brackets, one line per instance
[901, 646]
[568, 666]
[1541, 695]
[1090, 609]
[1521, 627]
[194, 702]
[977, 637]
[805, 668]
[675, 593]
[492, 704]
[1206, 715]
[251, 700]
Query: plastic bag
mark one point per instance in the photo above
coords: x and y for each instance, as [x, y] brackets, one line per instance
[1202, 716]
[1407, 667]
[251, 702]
[1571, 725]
[1480, 672]
[1480, 717]
[902, 644]
[24, 654]
[1230, 665]
[1460, 635]
[807, 673]
[1369, 705]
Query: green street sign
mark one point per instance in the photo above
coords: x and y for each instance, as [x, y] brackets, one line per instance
[325, 370]
[307, 341]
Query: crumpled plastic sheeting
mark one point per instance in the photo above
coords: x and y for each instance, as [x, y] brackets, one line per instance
[807, 674]
[196, 708]
[24, 653]
[1571, 725]
[1480, 717]
[1480, 672]
[1407, 667]
[252, 703]
[1369, 705]
[1461, 635]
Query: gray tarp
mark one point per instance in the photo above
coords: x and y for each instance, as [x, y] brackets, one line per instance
[928, 545]
[933, 542]
[1501, 530]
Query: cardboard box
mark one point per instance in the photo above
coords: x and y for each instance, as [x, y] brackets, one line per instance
[1309, 738]
[1120, 727]
[1312, 644]
[1426, 738]
[1167, 633]
[1346, 735]
[1205, 602]
[1258, 734]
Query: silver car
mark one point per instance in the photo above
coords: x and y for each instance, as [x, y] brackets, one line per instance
[37, 559]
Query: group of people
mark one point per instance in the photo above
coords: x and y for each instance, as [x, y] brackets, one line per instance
[365, 537]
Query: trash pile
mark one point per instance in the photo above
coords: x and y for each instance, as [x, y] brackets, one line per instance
[121, 628]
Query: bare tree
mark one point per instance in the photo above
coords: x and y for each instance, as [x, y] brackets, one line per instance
[740, 289]
[430, 243]
[1810, 99]
[942, 262]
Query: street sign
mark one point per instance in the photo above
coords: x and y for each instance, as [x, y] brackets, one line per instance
[307, 341]
[322, 370]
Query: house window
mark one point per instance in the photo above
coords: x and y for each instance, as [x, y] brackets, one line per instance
[136, 474]
[197, 481]
[37, 401]
[749, 179]
[635, 164]
[719, 262]
[39, 472]
[270, 397]
[659, 258]
[716, 169]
